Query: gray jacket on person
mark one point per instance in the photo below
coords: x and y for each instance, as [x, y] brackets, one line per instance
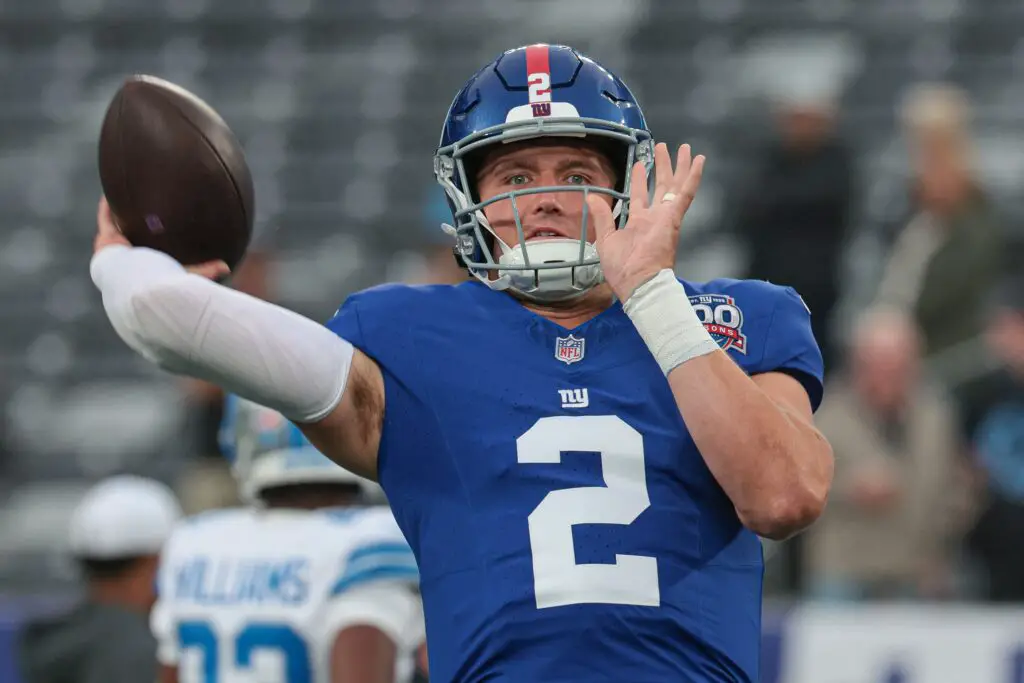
[91, 643]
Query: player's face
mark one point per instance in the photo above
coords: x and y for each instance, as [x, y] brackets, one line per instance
[533, 163]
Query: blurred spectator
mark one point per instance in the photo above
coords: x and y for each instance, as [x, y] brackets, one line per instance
[442, 268]
[995, 427]
[441, 264]
[886, 531]
[116, 535]
[793, 215]
[947, 251]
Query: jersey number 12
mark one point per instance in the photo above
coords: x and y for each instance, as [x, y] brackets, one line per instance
[558, 580]
[256, 637]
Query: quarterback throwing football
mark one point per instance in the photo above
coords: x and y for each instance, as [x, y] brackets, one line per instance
[580, 448]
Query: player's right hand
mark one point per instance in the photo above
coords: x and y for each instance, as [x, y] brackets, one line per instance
[108, 234]
[648, 243]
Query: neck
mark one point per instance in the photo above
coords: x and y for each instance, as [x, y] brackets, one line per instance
[117, 593]
[573, 313]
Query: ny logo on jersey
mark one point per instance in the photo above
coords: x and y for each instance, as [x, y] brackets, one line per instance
[574, 398]
[570, 349]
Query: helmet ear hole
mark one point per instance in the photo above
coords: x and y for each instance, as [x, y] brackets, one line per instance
[617, 154]
[471, 164]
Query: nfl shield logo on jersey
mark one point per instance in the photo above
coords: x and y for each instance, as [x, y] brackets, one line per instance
[569, 349]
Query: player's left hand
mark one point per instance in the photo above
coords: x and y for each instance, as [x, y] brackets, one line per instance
[647, 244]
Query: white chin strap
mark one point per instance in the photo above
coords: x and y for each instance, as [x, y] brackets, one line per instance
[548, 284]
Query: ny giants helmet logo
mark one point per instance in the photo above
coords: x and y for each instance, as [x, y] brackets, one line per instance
[722, 319]
[540, 94]
[538, 80]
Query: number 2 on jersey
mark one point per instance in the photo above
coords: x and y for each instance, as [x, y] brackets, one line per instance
[558, 579]
[276, 638]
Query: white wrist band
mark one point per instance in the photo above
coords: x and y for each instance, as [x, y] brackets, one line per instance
[661, 312]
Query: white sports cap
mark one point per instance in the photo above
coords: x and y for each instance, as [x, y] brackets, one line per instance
[123, 516]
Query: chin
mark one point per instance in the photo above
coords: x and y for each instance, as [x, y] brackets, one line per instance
[598, 292]
[546, 238]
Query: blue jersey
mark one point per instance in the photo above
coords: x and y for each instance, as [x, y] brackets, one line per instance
[565, 526]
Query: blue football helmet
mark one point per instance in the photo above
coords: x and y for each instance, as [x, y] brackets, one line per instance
[266, 451]
[531, 92]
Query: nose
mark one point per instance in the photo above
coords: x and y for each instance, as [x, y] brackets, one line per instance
[547, 203]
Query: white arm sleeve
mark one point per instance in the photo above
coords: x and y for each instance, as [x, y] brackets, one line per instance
[189, 325]
[392, 607]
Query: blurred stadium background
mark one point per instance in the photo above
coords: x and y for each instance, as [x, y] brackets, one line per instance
[863, 151]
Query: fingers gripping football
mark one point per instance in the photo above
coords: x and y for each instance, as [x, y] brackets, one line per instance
[108, 234]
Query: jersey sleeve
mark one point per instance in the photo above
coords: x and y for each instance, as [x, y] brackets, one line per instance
[393, 608]
[789, 345]
[378, 322]
[381, 555]
[346, 324]
[377, 584]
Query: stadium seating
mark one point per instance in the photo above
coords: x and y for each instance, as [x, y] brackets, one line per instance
[339, 106]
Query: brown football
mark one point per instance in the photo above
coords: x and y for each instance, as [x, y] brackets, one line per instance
[174, 174]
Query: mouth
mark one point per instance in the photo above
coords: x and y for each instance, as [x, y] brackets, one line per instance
[544, 233]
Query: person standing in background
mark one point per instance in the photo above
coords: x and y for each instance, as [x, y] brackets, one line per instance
[116, 536]
[948, 250]
[792, 217]
[994, 425]
[794, 213]
[312, 585]
[901, 491]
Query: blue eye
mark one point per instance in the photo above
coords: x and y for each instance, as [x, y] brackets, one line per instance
[577, 179]
[518, 179]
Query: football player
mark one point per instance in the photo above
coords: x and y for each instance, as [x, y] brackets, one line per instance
[301, 586]
[581, 448]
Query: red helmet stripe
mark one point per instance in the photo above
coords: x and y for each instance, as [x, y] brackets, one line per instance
[538, 73]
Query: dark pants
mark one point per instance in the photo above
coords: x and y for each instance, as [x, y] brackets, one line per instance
[995, 541]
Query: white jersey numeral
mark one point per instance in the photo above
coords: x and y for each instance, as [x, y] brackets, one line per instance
[558, 579]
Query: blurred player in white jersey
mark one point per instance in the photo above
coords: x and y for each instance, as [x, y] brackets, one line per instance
[302, 586]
